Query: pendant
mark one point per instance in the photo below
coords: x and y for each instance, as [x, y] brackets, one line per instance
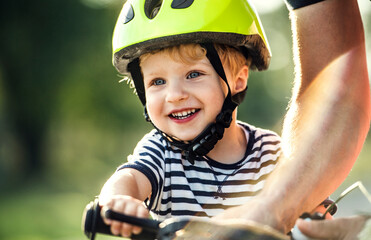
[219, 193]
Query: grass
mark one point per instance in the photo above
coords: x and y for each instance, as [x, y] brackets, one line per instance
[38, 213]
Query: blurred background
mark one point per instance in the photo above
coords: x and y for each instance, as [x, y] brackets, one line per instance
[66, 122]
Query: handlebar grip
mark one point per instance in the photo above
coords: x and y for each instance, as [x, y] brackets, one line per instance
[93, 223]
[147, 224]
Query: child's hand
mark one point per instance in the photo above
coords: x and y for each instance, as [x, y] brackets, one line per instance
[125, 205]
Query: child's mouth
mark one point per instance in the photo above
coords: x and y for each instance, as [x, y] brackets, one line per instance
[183, 114]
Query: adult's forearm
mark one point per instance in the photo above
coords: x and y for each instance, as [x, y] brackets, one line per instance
[329, 114]
[328, 118]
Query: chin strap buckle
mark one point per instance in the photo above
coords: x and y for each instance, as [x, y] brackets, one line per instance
[224, 118]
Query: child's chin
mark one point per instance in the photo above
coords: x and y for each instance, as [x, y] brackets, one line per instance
[185, 138]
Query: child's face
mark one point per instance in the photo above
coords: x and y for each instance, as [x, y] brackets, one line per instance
[182, 98]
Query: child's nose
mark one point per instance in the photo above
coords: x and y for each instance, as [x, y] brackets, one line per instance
[176, 92]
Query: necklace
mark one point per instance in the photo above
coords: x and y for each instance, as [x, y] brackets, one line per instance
[219, 193]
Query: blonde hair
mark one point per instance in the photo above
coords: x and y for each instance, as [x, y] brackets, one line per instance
[187, 53]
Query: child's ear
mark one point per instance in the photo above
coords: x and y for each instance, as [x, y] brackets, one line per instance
[241, 79]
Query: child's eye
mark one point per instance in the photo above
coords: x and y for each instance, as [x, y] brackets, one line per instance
[158, 82]
[193, 75]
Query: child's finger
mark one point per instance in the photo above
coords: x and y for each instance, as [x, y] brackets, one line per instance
[136, 230]
[116, 227]
[126, 229]
[130, 209]
[142, 212]
[104, 208]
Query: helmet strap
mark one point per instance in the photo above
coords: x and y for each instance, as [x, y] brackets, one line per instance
[137, 77]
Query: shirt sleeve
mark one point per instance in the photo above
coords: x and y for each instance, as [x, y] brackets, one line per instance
[148, 158]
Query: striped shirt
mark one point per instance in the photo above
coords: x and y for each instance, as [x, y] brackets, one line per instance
[207, 187]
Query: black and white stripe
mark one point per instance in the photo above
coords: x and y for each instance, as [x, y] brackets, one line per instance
[182, 189]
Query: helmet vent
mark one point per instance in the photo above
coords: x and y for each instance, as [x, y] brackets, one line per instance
[180, 4]
[152, 7]
[128, 13]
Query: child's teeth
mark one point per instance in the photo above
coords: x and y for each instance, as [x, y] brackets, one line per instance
[183, 114]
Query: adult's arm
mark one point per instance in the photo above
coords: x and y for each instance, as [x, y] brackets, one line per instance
[328, 117]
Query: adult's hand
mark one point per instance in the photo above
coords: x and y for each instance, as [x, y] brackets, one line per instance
[257, 210]
[347, 228]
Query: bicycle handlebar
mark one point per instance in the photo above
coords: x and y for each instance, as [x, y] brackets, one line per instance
[92, 223]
